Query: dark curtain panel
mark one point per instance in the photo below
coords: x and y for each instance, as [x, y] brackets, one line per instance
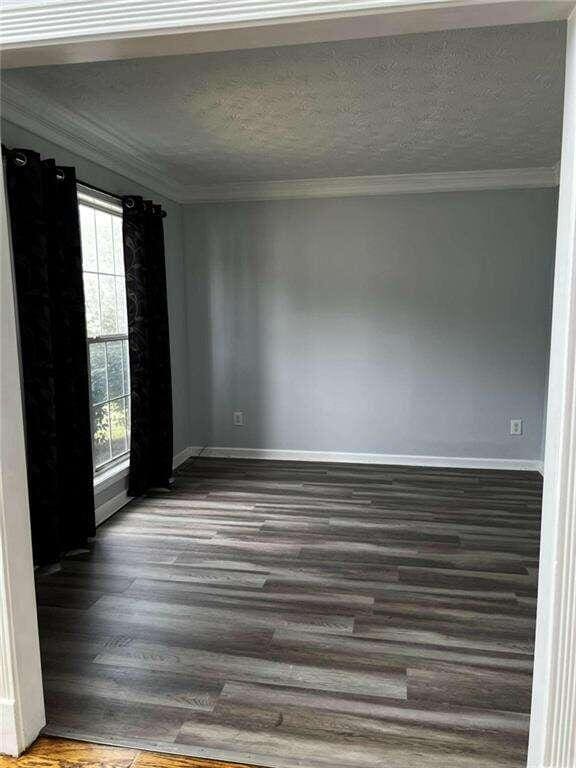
[50, 298]
[148, 339]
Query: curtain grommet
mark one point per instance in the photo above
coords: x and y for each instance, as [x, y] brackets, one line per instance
[129, 203]
[60, 175]
[20, 159]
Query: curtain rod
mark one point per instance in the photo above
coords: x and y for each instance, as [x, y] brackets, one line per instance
[120, 198]
[99, 189]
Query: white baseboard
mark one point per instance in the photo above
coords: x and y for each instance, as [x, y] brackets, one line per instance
[9, 741]
[108, 508]
[185, 454]
[16, 734]
[374, 458]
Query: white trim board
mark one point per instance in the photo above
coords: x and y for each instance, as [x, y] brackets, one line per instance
[553, 714]
[392, 184]
[111, 477]
[37, 21]
[41, 32]
[9, 727]
[374, 458]
[185, 454]
[111, 506]
[32, 110]
[21, 696]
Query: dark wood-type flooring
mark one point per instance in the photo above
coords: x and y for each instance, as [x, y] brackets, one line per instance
[304, 615]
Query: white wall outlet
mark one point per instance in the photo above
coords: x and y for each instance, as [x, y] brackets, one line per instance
[239, 419]
[515, 426]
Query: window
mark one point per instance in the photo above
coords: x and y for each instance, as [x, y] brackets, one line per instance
[107, 327]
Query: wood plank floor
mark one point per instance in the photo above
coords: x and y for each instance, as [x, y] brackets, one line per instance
[48, 752]
[303, 615]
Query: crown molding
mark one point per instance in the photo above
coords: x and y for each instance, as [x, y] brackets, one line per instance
[39, 21]
[31, 110]
[125, 156]
[41, 32]
[367, 186]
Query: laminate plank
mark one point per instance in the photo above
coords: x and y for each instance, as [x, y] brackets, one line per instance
[134, 685]
[463, 719]
[481, 688]
[81, 711]
[192, 594]
[389, 682]
[317, 622]
[168, 572]
[355, 652]
[262, 734]
[115, 629]
[294, 615]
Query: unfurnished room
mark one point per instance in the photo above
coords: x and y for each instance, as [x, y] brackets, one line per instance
[287, 385]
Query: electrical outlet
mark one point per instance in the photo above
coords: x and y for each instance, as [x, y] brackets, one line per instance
[238, 418]
[515, 427]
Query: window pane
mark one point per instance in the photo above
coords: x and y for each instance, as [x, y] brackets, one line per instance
[115, 369]
[108, 304]
[101, 439]
[118, 245]
[104, 240]
[128, 419]
[106, 316]
[121, 302]
[126, 366]
[88, 232]
[98, 377]
[92, 302]
[118, 427]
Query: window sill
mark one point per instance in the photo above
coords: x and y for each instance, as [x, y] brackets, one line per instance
[110, 476]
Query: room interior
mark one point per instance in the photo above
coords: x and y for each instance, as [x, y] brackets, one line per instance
[360, 241]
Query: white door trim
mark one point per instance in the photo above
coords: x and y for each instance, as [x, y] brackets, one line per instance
[553, 721]
[554, 696]
[21, 696]
[36, 32]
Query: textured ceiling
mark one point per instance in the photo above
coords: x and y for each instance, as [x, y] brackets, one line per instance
[459, 100]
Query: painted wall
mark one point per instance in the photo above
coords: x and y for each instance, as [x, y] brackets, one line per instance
[14, 136]
[415, 324]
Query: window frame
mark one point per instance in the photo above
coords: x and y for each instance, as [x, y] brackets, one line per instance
[105, 474]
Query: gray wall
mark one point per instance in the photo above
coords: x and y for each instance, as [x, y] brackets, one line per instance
[415, 324]
[14, 136]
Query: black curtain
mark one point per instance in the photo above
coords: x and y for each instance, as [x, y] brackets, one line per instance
[149, 344]
[50, 298]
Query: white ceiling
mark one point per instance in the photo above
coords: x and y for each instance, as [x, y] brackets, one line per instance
[485, 98]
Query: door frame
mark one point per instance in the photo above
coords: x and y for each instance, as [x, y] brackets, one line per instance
[21, 693]
[177, 27]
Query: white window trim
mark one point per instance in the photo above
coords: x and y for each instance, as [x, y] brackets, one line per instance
[111, 475]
